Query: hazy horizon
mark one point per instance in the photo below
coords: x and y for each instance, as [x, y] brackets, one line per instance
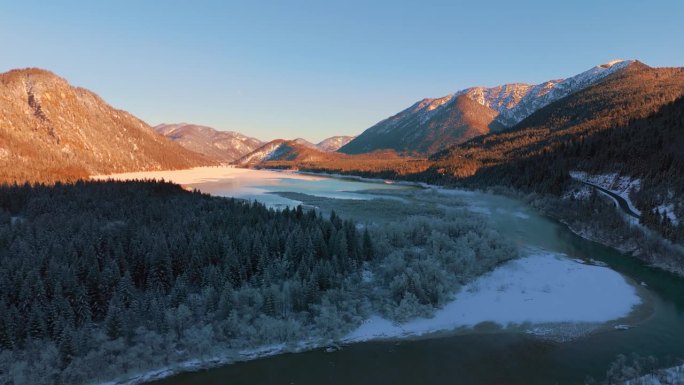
[315, 70]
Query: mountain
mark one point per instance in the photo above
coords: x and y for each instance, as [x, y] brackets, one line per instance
[515, 102]
[50, 130]
[326, 145]
[427, 126]
[613, 126]
[295, 151]
[435, 124]
[222, 146]
[293, 154]
[304, 142]
[333, 143]
[283, 150]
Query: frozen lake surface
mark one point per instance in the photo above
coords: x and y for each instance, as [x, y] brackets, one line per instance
[261, 184]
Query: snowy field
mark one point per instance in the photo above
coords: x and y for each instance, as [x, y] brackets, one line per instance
[537, 289]
[260, 185]
[207, 174]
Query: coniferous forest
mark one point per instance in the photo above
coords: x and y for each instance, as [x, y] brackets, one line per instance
[112, 264]
[104, 279]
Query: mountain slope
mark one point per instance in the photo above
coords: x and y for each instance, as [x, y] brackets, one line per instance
[515, 102]
[421, 127]
[283, 150]
[539, 151]
[427, 126]
[304, 142]
[222, 146]
[52, 131]
[333, 143]
[292, 154]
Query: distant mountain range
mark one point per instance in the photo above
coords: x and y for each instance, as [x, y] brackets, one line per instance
[334, 143]
[222, 146]
[431, 125]
[626, 119]
[295, 150]
[233, 147]
[564, 134]
[50, 130]
[285, 150]
[515, 134]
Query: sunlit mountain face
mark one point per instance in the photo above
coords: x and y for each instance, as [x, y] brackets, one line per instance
[53, 131]
[431, 125]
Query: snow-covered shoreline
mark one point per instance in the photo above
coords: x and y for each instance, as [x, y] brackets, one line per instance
[197, 364]
[542, 294]
[537, 289]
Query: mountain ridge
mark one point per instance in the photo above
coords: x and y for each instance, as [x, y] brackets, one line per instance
[511, 103]
[222, 146]
[283, 150]
[633, 94]
[334, 143]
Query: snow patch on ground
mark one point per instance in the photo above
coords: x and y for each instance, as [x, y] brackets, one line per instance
[580, 193]
[521, 215]
[669, 212]
[207, 174]
[542, 288]
[669, 376]
[479, 210]
[516, 214]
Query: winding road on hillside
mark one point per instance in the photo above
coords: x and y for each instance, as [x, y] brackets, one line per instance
[620, 200]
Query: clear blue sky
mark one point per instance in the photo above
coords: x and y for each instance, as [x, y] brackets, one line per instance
[318, 68]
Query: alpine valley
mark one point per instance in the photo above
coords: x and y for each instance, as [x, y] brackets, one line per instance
[518, 234]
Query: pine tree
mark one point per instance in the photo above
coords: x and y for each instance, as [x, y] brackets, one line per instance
[67, 350]
[114, 322]
[367, 247]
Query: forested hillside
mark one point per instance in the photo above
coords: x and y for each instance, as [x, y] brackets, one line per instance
[432, 125]
[629, 124]
[634, 93]
[104, 279]
[428, 126]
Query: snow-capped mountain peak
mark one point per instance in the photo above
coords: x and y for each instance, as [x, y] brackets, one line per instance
[490, 109]
[516, 101]
[613, 62]
[333, 143]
